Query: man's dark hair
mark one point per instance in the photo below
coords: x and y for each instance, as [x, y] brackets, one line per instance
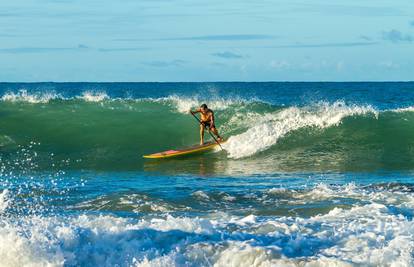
[203, 106]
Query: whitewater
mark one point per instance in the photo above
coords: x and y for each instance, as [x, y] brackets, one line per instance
[313, 174]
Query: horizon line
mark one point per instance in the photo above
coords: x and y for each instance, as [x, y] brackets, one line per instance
[269, 81]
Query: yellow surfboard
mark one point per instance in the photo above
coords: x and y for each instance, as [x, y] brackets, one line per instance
[181, 152]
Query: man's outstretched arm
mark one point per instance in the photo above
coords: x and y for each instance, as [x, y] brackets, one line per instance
[195, 111]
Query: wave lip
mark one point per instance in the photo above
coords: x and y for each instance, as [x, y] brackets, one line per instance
[47, 96]
[34, 98]
[92, 96]
[184, 104]
[406, 109]
[273, 126]
[180, 103]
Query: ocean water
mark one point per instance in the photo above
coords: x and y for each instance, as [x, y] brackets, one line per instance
[313, 174]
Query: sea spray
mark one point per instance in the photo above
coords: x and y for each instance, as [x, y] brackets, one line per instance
[265, 132]
[34, 98]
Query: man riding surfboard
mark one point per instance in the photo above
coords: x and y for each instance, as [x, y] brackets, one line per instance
[207, 120]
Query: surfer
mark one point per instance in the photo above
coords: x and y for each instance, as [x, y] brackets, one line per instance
[207, 120]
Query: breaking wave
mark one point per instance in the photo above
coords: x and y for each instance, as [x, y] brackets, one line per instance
[95, 131]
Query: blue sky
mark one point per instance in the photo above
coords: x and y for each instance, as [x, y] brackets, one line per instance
[139, 40]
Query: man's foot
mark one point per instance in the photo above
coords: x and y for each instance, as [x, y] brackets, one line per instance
[201, 143]
[219, 139]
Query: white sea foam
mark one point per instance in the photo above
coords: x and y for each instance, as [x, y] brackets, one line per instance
[334, 193]
[184, 104]
[46, 96]
[363, 235]
[137, 203]
[93, 96]
[267, 130]
[4, 201]
[179, 103]
[201, 195]
[407, 109]
[369, 233]
[277, 191]
[366, 234]
[24, 96]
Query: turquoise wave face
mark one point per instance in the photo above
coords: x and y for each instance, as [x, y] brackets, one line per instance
[99, 133]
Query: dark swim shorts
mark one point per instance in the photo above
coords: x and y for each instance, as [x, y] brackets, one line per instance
[208, 124]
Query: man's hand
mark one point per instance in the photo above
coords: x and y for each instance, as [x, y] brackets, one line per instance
[191, 112]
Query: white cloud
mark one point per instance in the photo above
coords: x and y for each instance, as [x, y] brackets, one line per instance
[388, 64]
[279, 64]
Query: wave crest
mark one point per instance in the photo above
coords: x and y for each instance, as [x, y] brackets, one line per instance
[272, 126]
[92, 96]
[25, 96]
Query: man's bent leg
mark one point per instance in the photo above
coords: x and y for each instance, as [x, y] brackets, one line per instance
[214, 130]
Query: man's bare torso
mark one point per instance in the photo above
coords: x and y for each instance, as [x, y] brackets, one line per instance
[207, 116]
